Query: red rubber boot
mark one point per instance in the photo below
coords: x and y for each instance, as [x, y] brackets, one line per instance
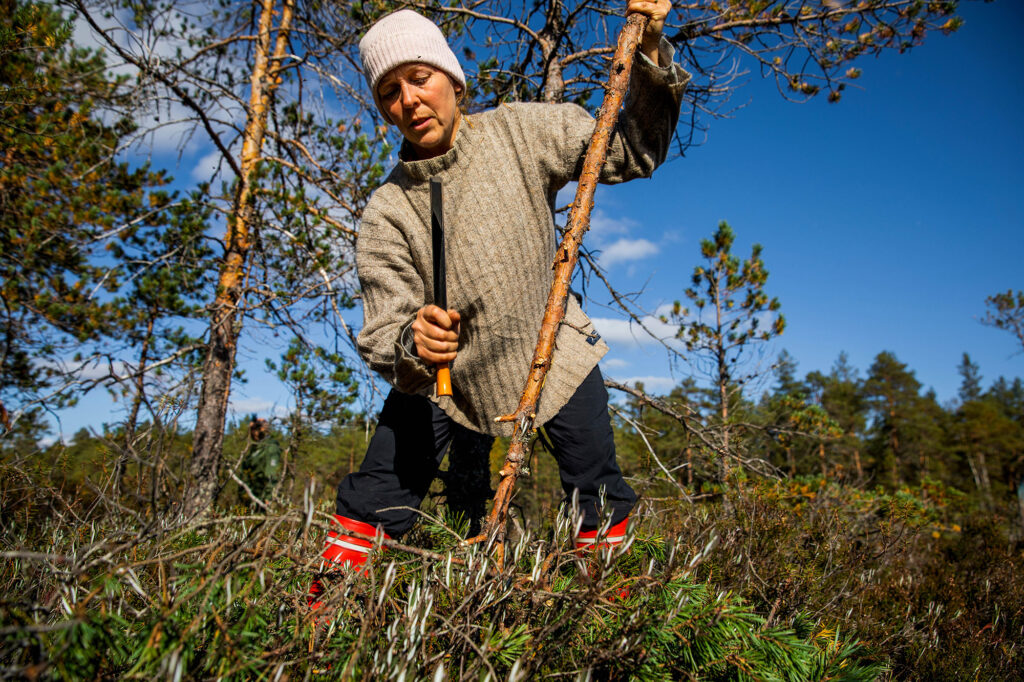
[343, 551]
[588, 541]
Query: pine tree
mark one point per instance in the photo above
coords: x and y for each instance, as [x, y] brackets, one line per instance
[986, 438]
[970, 385]
[322, 385]
[292, 176]
[928, 447]
[296, 175]
[1009, 396]
[1006, 311]
[801, 426]
[840, 393]
[64, 199]
[733, 317]
[683, 455]
[553, 50]
[906, 431]
[166, 273]
[778, 407]
[893, 393]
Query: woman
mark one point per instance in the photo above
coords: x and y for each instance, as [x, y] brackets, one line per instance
[500, 171]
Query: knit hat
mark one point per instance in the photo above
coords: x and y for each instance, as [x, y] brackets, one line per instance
[402, 37]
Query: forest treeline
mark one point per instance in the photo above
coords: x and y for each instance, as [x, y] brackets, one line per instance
[876, 430]
[842, 525]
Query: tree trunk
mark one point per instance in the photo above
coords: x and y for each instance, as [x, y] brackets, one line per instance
[1020, 500]
[975, 473]
[723, 386]
[549, 36]
[986, 484]
[140, 385]
[894, 443]
[225, 320]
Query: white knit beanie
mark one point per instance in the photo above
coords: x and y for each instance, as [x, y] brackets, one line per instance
[403, 37]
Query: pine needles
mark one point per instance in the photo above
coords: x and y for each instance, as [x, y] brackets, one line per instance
[225, 599]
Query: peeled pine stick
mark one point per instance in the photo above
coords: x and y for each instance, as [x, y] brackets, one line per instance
[565, 262]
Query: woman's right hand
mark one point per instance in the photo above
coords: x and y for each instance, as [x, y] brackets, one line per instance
[436, 334]
[656, 11]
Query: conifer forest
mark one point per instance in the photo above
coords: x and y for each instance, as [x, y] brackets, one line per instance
[845, 524]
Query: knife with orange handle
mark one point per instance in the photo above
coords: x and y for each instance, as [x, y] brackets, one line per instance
[444, 379]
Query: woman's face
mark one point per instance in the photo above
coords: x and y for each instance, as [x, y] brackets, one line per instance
[422, 102]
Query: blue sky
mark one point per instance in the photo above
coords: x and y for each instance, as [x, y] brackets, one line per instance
[886, 219]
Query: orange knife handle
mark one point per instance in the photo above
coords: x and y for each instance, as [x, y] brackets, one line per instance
[444, 380]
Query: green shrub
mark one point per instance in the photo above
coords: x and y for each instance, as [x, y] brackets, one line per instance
[792, 580]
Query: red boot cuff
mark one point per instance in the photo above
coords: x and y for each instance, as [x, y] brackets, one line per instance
[588, 539]
[342, 547]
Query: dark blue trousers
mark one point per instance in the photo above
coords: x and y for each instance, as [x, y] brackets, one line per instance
[413, 434]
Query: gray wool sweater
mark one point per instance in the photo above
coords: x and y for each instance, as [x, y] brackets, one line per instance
[500, 181]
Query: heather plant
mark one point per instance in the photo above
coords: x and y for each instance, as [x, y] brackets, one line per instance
[798, 578]
[103, 591]
[918, 573]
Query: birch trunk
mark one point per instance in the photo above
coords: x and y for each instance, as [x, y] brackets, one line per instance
[986, 484]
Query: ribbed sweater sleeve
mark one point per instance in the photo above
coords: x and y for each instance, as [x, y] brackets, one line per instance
[392, 292]
[642, 134]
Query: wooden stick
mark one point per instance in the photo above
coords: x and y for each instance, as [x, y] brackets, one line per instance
[565, 262]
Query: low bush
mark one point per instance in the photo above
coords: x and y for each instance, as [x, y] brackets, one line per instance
[782, 580]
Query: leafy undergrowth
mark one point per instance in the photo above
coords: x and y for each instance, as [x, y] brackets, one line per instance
[922, 575]
[791, 581]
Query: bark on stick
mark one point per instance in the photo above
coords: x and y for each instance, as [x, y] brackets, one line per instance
[566, 258]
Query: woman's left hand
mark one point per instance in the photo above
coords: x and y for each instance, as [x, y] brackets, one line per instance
[656, 11]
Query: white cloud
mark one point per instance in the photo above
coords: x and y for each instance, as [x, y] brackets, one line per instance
[654, 385]
[100, 370]
[260, 406]
[663, 309]
[672, 237]
[164, 123]
[46, 441]
[83, 35]
[167, 127]
[611, 363]
[626, 333]
[603, 226]
[90, 369]
[625, 250]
